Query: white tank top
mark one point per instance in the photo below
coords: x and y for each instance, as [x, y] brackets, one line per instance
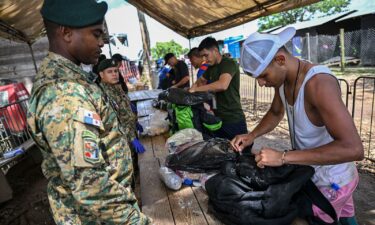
[308, 136]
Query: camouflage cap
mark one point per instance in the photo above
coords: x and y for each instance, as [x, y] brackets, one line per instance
[74, 13]
[106, 63]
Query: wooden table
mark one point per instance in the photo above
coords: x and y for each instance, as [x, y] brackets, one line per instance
[185, 206]
[189, 205]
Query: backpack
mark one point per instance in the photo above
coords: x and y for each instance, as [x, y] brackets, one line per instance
[242, 193]
[186, 110]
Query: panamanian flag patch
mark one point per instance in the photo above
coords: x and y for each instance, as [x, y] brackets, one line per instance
[91, 118]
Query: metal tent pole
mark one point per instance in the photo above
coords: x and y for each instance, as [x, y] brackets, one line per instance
[32, 56]
[191, 68]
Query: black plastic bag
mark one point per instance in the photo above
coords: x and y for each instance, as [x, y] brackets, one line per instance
[183, 97]
[202, 157]
[245, 194]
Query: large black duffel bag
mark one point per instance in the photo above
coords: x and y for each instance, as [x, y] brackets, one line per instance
[245, 194]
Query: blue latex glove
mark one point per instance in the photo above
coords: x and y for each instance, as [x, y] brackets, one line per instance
[138, 146]
[134, 108]
[139, 127]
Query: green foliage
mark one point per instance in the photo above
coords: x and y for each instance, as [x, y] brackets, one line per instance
[163, 48]
[326, 7]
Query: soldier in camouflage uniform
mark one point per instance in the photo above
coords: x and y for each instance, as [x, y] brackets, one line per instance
[109, 80]
[87, 160]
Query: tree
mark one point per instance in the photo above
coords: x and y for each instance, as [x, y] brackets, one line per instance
[326, 7]
[163, 48]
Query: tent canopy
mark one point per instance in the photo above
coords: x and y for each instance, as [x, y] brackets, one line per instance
[20, 20]
[196, 17]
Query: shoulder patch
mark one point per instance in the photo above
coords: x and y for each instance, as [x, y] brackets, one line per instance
[92, 118]
[89, 117]
[90, 147]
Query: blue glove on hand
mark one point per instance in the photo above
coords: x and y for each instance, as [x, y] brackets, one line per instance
[138, 146]
[139, 127]
[134, 108]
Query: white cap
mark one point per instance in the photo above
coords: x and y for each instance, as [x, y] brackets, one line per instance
[259, 49]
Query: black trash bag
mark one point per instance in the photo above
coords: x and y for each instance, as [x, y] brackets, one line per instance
[202, 157]
[160, 104]
[260, 179]
[183, 97]
[204, 121]
[245, 194]
[233, 202]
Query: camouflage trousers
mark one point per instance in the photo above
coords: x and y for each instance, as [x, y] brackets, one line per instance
[65, 210]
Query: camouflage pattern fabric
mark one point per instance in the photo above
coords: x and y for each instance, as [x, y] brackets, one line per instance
[87, 160]
[121, 103]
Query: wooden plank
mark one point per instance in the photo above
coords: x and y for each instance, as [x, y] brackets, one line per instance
[153, 194]
[158, 145]
[185, 207]
[149, 153]
[202, 198]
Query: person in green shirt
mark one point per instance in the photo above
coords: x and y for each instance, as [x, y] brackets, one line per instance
[224, 76]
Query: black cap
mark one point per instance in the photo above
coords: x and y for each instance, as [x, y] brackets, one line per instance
[167, 57]
[117, 57]
[106, 63]
[74, 13]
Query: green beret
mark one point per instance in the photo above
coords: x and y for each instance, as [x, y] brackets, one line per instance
[74, 13]
[106, 63]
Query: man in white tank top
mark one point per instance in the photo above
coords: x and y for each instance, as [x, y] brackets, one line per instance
[322, 131]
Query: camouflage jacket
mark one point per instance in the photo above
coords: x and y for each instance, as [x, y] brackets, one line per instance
[86, 159]
[121, 103]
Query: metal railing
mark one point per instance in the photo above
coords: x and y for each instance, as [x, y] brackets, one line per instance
[345, 91]
[363, 112]
[13, 125]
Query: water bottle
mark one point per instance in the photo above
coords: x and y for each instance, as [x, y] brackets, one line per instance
[331, 192]
[170, 178]
[12, 153]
